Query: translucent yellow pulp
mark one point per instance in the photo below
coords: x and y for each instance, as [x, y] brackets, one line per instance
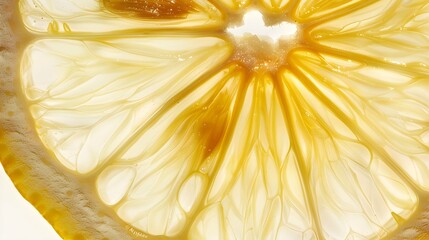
[185, 131]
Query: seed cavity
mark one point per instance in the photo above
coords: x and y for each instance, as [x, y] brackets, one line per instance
[263, 47]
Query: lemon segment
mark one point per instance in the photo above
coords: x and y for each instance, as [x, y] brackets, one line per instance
[386, 32]
[319, 10]
[389, 105]
[114, 183]
[167, 167]
[354, 191]
[257, 190]
[234, 5]
[87, 102]
[275, 5]
[191, 191]
[91, 16]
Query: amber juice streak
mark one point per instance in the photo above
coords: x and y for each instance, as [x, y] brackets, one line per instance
[164, 9]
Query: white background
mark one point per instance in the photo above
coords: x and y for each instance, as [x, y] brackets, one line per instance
[19, 220]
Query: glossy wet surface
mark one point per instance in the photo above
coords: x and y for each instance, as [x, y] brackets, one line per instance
[184, 129]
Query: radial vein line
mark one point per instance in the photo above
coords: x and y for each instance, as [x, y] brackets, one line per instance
[158, 114]
[225, 143]
[346, 54]
[337, 14]
[287, 112]
[292, 6]
[230, 131]
[357, 130]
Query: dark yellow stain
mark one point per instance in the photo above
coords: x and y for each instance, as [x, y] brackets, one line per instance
[152, 9]
[211, 127]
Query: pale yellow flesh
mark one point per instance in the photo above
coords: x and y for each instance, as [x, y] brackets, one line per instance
[178, 140]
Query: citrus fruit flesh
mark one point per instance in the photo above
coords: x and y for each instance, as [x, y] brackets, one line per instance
[136, 119]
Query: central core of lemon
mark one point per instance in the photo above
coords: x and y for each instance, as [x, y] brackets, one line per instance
[260, 46]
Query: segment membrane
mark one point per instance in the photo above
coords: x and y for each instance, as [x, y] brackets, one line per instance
[90, 16]
[359, 191]
[389, 31]
[257, 190]
[275, 5]
[391, 106]
[88, 98]
[172, 158]
[316, 10]
[235, 5]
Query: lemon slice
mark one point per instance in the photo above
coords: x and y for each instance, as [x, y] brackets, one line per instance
[197, 119]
